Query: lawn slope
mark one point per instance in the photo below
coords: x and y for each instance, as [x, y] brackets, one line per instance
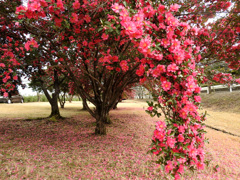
[222, 101]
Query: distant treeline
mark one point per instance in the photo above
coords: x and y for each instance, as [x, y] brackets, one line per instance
[42, 98]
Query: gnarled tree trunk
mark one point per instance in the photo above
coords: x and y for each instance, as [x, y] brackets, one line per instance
[100, 126]
[84, 103]
[55, 113]
[102, 118]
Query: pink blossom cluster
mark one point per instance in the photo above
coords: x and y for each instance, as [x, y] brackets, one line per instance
[171, 61]
[223, 78]
[8, 62]
[30, 43]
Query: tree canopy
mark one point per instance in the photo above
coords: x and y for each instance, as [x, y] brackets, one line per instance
[103, 47]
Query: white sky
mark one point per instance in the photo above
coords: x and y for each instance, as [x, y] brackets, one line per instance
[27, 91]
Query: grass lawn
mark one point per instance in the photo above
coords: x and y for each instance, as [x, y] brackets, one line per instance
[68, 149]
[36, 110]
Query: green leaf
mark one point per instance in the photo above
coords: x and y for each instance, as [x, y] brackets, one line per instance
[125, 3]
[108, 23]
[100, 29]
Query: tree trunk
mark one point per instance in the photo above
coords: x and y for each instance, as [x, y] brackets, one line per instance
[84, 107]
[100, 127]
[115, 106]
[62, 105]
[119, 100]
[102, 118]
[107, 119]
[84, 103]
[55, 113]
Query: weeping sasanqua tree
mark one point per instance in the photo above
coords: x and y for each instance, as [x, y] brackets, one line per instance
[108, 45]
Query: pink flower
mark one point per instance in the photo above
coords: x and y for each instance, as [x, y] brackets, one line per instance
[166, 85]
[161, 8]
[130, 27]
[74, 18]
[191, 86]
[109, 68]
[34, 6]
[85, 43]
[158, 57]
[200, 166]
[158, 70]
[159, 135]
[160, 125]
[32, 42]
[197, 89]
[174, 7]
[124, 15]
[172, 68]
[60, 5]
[76, 5]
[183, 113]
[177, 176]
[124, 65]
[139, 17]
[160, 99]
[15, 77]
[115, 59]
[171, 142]
[141, 70]
[169, 17]
[156, 152]
[5, 94]
[58, 21]
[150, 108]
[168, 167]
[197, 99]
[180, 138]
[238, 81]
[105, 36]
[192, 151]
[181, 129]
[181, 160]
[145, 44]
[116, 7]
[87, 18]
[165, 43]
[118, 69]
[21, 9]
[180, 169]
[2, 65]
[155, 73]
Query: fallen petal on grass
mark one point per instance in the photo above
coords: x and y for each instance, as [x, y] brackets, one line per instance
[69, 150]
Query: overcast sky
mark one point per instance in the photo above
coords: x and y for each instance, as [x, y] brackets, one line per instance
[27, 91]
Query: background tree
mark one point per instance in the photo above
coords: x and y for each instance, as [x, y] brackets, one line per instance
[10, 41]
[52, 83]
